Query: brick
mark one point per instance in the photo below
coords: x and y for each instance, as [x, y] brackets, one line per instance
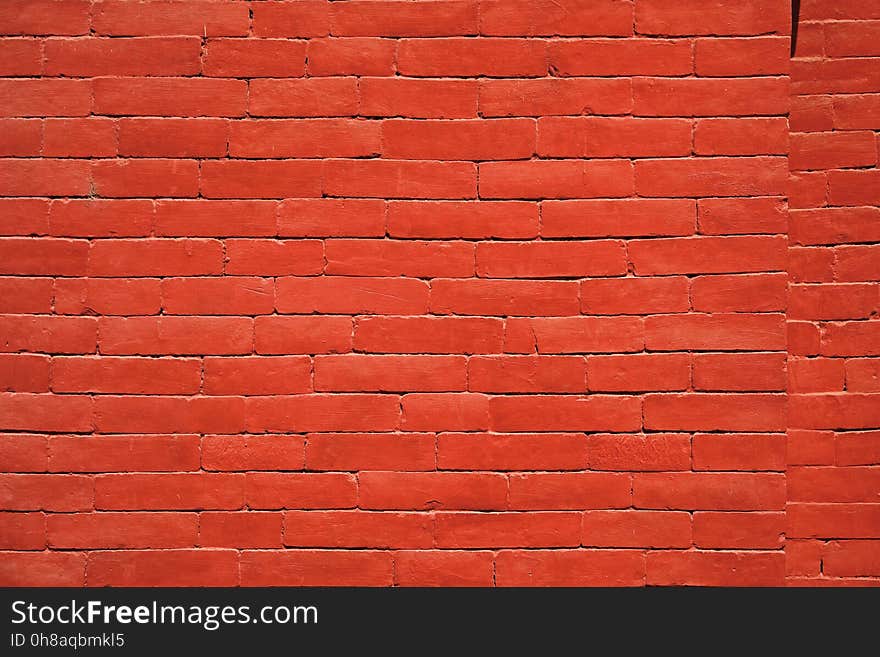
[302, 335]
[475, 530]
[460, 57]
[636, 529]
[746, 412]
[162, 567]
[22, 531]
[316, 568]
[810, 447]
[400, 179]
[750, 452]
[257, 375]
[392, 18]
[237, 295]
[851, 484]
[303, 98]
[499, 139]
[731, 216]
[443, 568]
[354, 295]
[638, 372]
[639, 453]
[811, 265]
[752, 293]
[141, 178]
[176, 335]
[768, 55]
[105, 374]
[25, 295]
[566, 18]
[565, 413]
[862, 375]
[56, 97]
[184, 257]
[24, 452]
[119, 17]
[430, 335]
[359, 372]
[761, 96]
[444, 412]
[555, 96]
[613, 137]
[39, 492]
[172, 137]
[326, 217]
[727, 17]
[465, 219]
[634, 296]
[399, 258]
[65, 335]
[322, 413]
[101, 218]
[33, 17]
[764, 136]
[739, 531]
[851, 559]
[832, 150]
[240, 530]
[43, 412]
[119, 453]
[169, 414]
[740, 372]
[835, 225]
[709, 491]
[526, 374]
[426, 491]
[538, 179]
[856, 112]
[573, 335]
[550, 259]
[303, 18]
[206, 218]
[355, 56]
[21, 137]
[835, 411]
[274, 490]
[43, 569]
[719, 332]
[833, 521]
[417, 98]
[856, 263]
[714, 568]
[570, 568]
[24, 373]
[253, 58]
[559, 491]
[169, 97]
[122, 530]
[619, 57]
[857, 187]
[304, 138]
[834, 75]
[484, 297]
[264, 452]
[847, 301]
[468, 451]
[20, 57]
[173, 491]
[80, 137]
[346, 451]
[43, 177]
[756, 176]
[121, 57]
[260, 178]
[812, 114]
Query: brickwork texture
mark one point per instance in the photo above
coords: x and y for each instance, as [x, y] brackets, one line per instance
[439, 292]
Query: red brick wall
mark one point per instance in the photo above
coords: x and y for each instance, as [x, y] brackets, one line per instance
[834, 336]
[435, 292]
